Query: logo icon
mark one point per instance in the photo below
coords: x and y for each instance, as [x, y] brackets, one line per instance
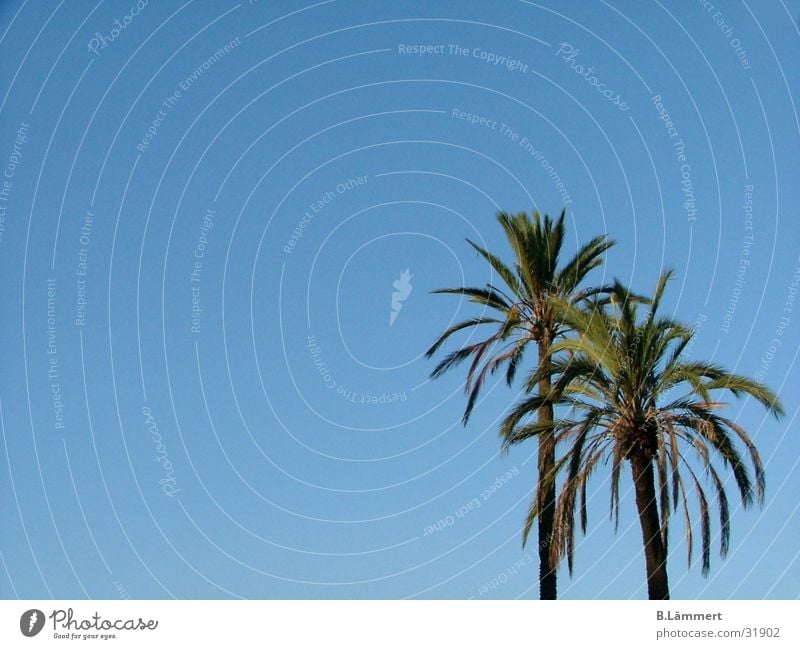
[402, 291]
[31, 622]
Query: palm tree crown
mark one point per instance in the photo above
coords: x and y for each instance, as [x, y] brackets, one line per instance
[629, 394]
[522, 310]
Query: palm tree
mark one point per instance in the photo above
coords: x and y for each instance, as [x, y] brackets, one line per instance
[522, 314]
[631, 395]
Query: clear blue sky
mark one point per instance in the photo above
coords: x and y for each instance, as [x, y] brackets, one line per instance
[151, 450]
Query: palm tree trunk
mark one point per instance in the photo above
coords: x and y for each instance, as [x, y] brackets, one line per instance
[654, 551]
[546, 492]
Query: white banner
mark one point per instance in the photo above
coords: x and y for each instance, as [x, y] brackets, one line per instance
[400, 624]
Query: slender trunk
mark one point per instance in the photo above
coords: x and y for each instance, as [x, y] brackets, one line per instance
[546, 493]
[654, 551]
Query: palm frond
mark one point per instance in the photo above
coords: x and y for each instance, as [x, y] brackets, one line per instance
[472, 322]
[484, 296]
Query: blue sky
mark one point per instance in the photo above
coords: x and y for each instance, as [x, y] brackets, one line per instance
[203, 394]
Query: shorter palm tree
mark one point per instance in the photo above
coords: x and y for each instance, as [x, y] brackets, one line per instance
[630, 395]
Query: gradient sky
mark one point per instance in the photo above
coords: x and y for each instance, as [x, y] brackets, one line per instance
[303, 451]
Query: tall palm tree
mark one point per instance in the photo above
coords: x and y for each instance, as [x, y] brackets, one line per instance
[522, 314]
[631, 395]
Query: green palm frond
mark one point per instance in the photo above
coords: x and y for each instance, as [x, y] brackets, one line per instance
[466, 324]
[483, 296]
[505, 273]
